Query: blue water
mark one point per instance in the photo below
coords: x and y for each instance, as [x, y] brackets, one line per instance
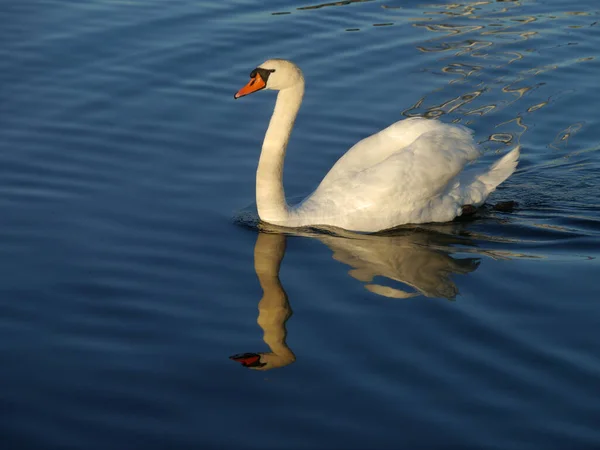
[131, 262]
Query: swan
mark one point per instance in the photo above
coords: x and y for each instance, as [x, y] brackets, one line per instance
[415, 171]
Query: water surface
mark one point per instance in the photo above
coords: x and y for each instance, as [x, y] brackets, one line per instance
[131, 272]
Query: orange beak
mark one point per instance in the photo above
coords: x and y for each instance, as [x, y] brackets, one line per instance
[255, 84]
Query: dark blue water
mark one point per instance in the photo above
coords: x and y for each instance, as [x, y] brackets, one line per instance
[131, 267]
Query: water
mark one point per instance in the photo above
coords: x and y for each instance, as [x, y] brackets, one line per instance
[128, 266]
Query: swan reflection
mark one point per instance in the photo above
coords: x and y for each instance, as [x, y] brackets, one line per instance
[273, 309]
[419, 259]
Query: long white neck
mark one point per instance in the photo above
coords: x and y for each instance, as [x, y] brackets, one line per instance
[270, 196]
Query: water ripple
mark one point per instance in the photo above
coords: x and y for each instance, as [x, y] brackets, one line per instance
[125, 285]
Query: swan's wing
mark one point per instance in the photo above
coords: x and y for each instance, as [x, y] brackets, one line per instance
[416, 172]
[389, 141]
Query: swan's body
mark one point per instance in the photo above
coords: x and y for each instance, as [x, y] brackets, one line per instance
[414, 171]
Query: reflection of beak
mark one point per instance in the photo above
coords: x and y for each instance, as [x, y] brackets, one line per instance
[255, 84]
[248, 359]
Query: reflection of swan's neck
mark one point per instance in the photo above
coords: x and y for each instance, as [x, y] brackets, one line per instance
[274, 308]
[270, 196]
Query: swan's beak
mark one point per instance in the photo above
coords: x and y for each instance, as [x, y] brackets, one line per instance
[255, 84]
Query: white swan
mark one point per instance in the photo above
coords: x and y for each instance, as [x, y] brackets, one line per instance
[414, 171]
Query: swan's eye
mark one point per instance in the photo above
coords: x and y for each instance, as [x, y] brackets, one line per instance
[261, 73]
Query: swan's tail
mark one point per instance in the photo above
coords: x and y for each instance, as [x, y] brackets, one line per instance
[476, 185]
[500, 170]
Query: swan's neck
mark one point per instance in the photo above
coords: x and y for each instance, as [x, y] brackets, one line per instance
[270, 196]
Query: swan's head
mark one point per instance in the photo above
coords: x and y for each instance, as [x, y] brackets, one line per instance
[274, 74]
